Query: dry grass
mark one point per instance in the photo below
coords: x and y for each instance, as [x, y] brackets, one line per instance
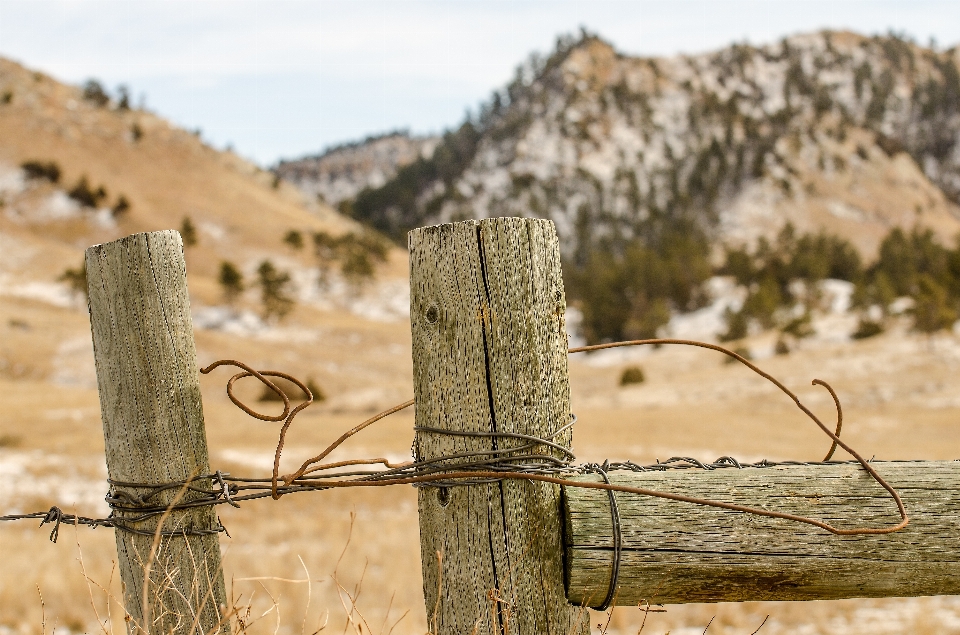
[287, 566]
[287, 560]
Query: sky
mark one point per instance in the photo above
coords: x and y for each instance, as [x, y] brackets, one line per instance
[286, 78]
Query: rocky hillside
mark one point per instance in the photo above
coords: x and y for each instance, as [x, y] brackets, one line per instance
[342, 172]
[829, 130]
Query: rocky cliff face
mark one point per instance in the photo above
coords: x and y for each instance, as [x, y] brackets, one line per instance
[829, 130]
[342, 172]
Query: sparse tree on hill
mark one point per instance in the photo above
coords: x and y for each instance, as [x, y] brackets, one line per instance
[121, 207]
[867, 328]
[294, 238]
[316, 390]
[85, 195]
[345, 207]
[188, 232]
[325, 250]
[76, 279]
[123, 97]
[292, 391]
[356, 268]
[932, 311]
[48, 170]
[738, 325]
[231, 281]
[94, 92]
[356, 253]
[274, 290]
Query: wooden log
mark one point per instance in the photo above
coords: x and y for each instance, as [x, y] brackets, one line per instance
[674, 552]
[490, 355]
[153, 428]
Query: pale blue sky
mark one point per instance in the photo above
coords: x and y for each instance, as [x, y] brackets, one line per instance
[284, 78]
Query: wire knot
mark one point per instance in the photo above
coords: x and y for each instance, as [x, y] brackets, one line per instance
[55, 516]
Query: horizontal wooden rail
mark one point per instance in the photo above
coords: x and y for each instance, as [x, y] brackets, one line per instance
[674, 553]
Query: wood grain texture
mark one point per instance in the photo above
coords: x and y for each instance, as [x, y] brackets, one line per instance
[153, 424]
[489, 354]
[676, 552]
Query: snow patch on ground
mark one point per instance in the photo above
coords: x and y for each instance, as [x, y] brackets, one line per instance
[12, 180]
[709, 322]
[55, 293]
[65, 481]
[57, 206]
[379, 301]
[243, 323]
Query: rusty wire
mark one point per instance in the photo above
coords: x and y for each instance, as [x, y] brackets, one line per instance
[515, 463]
[286, 416]
[904, 519]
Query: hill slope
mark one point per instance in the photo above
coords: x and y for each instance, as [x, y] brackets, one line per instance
[342, 172]
[89, 153]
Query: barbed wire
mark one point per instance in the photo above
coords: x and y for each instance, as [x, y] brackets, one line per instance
[536, 458]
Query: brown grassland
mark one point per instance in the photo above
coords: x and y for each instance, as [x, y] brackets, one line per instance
[350, 560]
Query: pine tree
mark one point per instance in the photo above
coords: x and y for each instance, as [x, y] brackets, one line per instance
[932, 310]
[188, 232]
[231, 281]
[294, 238]
[274, 290]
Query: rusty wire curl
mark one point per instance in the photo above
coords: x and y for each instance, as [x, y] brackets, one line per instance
[286, 416]
[835, 436]
[480, 467]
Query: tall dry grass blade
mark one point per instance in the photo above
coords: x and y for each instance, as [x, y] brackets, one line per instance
[43, 613]
[436, 606]
[761, 625]
[358, 626]
[148, 566]
[303, 624]
[405, 613]
[647, 610]
[326, 621]
[83, 572]
[275, 607]
[576, 623]
[387, 614]
[223, 614]
[113, 570]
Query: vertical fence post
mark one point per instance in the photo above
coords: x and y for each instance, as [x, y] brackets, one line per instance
[490, 355]
[153, 429]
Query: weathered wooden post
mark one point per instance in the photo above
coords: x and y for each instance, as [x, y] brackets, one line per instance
[673, 552]
[153, 429]
[490, 356]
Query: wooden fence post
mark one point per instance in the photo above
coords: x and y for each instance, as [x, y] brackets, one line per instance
[490, 355]
[674, 552]
[153, 428]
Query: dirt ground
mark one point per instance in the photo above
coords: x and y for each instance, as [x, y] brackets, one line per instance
[351, 559]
